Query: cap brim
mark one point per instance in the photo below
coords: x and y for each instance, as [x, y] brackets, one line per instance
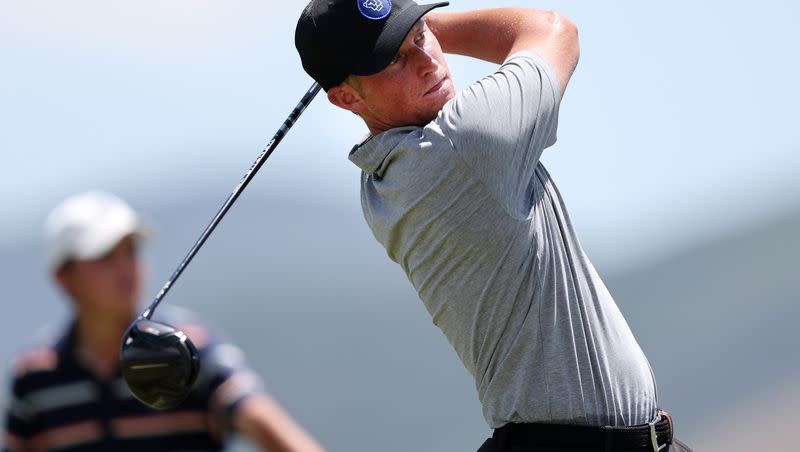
[392, 37]
[104, 239]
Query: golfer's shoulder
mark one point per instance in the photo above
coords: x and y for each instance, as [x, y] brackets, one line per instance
[529, 56]
[523, 74]
[34, 359]
[40, 352]
[523, 77]
[197, 332]
[188, 322]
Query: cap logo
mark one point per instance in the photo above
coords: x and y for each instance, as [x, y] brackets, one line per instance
[374, 9]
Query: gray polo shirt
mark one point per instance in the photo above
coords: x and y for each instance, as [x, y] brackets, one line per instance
[464, 206]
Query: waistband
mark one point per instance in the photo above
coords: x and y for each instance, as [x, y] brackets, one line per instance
[646, 437]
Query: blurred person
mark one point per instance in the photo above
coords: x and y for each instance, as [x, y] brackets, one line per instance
[453, 188]
[68, 394]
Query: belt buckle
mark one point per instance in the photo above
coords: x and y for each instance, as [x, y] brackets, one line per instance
[653, 436]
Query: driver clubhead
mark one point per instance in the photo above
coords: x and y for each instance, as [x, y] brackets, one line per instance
[159, 363]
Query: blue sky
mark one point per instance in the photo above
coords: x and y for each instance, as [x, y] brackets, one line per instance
[679, 124]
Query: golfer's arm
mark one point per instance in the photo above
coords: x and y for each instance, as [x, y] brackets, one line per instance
[266, 424]
[494, 34]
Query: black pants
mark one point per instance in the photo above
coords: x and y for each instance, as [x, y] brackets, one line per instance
[492, 445]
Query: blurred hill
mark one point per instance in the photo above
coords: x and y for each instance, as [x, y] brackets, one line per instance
[343, 342]
[718, 324]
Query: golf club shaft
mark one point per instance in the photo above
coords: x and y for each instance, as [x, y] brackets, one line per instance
[298, 110]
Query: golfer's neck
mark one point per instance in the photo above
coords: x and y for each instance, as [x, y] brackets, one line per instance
[98, 341]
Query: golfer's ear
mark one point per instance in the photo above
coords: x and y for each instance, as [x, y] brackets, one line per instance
[61, 276]
[344, 96]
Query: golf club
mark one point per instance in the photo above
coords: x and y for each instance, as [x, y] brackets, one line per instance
[159, 362]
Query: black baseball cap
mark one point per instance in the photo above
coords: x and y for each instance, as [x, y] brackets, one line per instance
[339, 38]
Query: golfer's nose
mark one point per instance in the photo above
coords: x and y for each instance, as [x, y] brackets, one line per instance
[424, 61]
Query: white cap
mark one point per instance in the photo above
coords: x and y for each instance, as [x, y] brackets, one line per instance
[88, 225]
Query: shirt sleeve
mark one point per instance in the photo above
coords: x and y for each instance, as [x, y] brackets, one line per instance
[225, 378]
[18, 419]
[500, 125]
[235, 381]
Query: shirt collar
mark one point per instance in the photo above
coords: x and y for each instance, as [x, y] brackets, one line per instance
[67, 350]
[373, 149]
[66, 346]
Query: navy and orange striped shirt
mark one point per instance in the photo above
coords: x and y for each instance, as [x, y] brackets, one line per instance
[59, 404]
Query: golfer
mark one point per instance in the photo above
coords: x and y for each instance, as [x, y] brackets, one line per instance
[68, 393]
[453, 188]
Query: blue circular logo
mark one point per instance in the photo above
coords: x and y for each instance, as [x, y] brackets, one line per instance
[374, 9]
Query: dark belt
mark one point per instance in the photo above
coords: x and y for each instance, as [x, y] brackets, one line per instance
[646, 437]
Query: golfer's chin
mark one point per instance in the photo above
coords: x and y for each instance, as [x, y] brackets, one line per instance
[126, 304]
[441, 90]
[433, 110]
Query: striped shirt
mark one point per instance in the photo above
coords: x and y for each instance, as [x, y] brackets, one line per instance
[59, 404]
